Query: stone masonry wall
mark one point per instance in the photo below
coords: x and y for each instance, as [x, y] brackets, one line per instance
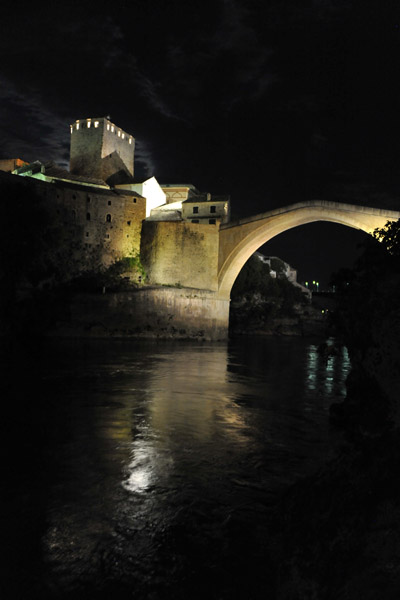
[148, 313]
[115, 238]
[180, 253]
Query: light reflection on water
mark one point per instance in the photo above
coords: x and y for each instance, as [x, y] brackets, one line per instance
[169, 443]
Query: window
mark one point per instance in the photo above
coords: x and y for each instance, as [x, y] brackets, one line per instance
[96, 123]
[195, 210]
[212, 221]
[87, 216]
[108, 218]
[77, 126]
[87, 234]
[134, 199]
[119, 133]
[127, 235]
[213, 209]
[112, 128]
[109, 203]
[128, 222]
[130, 140]
[108, 126]
[89, 124]
[195, 220]
[107, 236]
[123, 136]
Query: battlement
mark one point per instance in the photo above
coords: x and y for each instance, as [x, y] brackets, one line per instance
[101, 123]
[94, 139]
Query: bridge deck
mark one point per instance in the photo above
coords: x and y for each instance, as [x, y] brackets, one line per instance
[342, 206]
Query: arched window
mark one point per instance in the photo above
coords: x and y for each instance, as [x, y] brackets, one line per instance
[87, 216]
[108, 218]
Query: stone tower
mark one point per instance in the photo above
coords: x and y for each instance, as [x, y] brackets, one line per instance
[102, 150]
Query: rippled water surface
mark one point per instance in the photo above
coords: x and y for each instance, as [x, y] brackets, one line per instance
[149, 467]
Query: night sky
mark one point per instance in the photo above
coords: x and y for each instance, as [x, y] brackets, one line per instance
[272, 102]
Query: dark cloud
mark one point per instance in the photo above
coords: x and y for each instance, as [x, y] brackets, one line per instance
[29, 129]
[144, 162]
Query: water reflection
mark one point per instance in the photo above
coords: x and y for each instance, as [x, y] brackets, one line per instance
[326, 374]
[176, 449]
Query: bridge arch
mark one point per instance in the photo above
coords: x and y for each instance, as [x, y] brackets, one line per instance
[239, 240]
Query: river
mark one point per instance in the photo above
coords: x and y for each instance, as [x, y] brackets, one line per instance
[146, 469]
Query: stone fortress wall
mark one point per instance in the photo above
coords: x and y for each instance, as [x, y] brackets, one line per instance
[180, 254]
[99, 218]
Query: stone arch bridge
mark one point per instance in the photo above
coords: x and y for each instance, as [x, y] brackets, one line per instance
[196, 265]
[240, 239]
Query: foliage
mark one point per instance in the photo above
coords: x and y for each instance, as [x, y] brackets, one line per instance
[261, 298]
[370, 289]
[389, 237]
[278, 266]
[255, 278]
[129, 264]
[367, 321]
